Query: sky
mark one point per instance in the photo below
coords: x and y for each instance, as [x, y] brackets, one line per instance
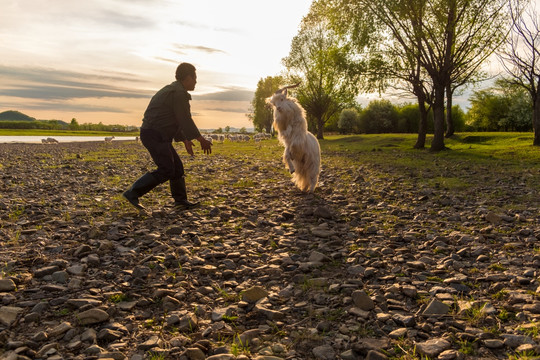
[102, 60]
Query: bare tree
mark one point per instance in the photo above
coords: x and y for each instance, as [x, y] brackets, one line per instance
[521, 56]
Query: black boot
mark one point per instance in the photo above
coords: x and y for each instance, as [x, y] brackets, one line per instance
[145, 183]
[179, 194]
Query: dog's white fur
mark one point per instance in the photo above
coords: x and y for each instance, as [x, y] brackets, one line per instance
[302, 153]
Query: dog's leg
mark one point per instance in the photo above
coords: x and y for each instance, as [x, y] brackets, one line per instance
[287, 158]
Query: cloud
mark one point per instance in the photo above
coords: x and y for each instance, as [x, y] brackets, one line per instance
[53, 84]
[228, 94]
[222, 109]
[65, 106]
[207, 27]
[46, 92]
[60, 77]
[179, 48]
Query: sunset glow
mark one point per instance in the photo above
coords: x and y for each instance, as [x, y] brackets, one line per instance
[101, 61]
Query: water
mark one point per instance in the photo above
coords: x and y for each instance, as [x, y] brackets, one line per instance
[62, 139]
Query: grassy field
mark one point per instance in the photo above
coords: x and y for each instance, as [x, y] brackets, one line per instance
[40, 132]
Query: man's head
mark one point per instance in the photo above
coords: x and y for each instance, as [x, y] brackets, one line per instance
[185, 73]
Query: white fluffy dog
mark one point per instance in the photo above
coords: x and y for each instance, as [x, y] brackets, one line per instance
[302, 153]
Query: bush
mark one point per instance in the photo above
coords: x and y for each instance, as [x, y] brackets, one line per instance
[348, 121]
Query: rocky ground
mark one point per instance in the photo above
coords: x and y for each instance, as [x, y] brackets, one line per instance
[381, 262]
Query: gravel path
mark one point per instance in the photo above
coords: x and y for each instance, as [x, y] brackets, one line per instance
[371, 266]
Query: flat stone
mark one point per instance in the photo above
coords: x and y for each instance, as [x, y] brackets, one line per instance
[8, 314]
[60, 329]
[153, 342]
[436, 307]
[92, 316]
[494, 343]
[254, 294]
[362, 300]
[433, 347]
[324, 352]
[195, 354]
[7, 285]
[398, 333]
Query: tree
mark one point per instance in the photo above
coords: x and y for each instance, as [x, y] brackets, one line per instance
[261, 113]
[348, 121]
[323, 65]
[442, 41]
[505, 107]
[74, 125]
[521, 56]
[379, 116]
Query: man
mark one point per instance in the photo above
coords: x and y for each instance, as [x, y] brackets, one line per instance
[168, 118]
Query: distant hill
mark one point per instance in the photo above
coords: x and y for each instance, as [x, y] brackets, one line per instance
[12, 115]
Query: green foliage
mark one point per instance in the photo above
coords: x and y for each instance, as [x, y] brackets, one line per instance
[16, 120]
[260, 113]
[74, 125]
[324, 66]
[428, 48]
[348, 121]
[380, 116]
[504, 107]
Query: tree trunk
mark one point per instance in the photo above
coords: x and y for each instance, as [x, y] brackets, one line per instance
[422, 126]
[438, 119]
[449, 120]
[320, 128]
[536, 119]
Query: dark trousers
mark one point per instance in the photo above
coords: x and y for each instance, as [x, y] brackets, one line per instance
[169, 165]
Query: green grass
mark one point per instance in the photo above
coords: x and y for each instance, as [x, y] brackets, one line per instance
[485, 148]
[42, 132]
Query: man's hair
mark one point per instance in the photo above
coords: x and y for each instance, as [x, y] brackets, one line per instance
[183, 70]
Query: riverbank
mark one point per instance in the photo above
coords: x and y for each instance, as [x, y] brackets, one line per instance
[16, 139]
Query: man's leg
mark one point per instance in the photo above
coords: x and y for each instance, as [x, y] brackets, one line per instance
[161, 154]
[178, 184]
[140, 187]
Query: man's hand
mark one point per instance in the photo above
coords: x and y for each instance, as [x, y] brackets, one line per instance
[189, 147]
[206, 145]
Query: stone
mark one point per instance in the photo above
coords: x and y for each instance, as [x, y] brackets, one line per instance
[433, 347]
[494, 343]
[436, 308]
[362, 300]
[8, 314]
[449, 355]
[195, 354]
[7, 285]
[153, 342]
[324, 352]
[92, 316]
[254, 294]
[375, 355]
[398, 333]
[60, 329]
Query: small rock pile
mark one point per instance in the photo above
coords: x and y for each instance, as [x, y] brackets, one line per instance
[371, 266]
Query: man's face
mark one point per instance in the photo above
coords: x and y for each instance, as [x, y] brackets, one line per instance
[189, 82]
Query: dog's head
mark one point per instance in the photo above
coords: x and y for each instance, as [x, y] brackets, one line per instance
[279, 100]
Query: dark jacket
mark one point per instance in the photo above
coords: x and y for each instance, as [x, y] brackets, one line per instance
[169, 113]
